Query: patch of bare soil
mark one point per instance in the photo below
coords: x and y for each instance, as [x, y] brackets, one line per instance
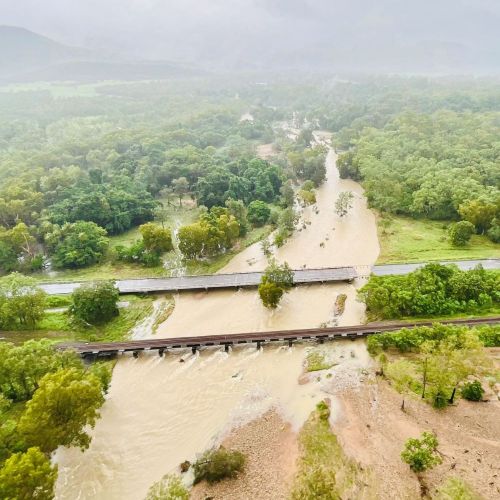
[271, 450]
[372, 429]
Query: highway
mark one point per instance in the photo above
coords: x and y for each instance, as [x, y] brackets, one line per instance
[245, 280]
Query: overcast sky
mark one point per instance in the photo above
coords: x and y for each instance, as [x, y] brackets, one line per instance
[249, 31]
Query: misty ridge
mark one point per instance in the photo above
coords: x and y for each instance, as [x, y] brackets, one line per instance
[153, 39]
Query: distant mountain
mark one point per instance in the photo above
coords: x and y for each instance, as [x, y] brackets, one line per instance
[22, 51]
[27, 57]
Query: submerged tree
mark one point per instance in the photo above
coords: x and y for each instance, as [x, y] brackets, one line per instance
[344, 203]
[275, 281]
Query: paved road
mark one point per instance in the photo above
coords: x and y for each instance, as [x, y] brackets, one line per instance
[465, 265]
[241, 280]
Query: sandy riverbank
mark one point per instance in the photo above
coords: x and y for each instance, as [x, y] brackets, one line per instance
[271, 451]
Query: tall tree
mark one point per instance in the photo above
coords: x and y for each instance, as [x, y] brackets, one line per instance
[95, 303]
[22, 302]
[27, 476]
[180, 187]
[156, 239]
[65, 404]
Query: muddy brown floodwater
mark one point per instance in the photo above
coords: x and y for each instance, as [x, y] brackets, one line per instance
[160, 412]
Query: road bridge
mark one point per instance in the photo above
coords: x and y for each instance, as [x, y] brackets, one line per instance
[212, 281]
[101, 349]
[252, 279]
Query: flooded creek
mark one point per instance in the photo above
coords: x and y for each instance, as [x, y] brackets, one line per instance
[160, 411]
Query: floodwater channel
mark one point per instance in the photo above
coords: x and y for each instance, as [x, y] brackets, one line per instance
[161, 411]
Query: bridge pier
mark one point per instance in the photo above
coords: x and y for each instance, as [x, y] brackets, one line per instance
[135, 354]
[321, 340]
[259, 345]
[161, 352]
[194, 349]
[226, 347]
[290, 342]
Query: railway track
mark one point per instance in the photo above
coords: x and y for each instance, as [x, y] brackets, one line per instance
[100, 349]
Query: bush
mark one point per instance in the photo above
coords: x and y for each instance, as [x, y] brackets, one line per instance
[420, 454]
[95, 303]
[455, 489]
[170, 487]
[215, 465]
[138, 254]
[460, 233]
[472, 391]
[439, 400]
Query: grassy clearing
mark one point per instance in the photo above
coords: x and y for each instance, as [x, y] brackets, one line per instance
[58, 325]
[483, 312]
[324, 471]
[403, 239]
[172, 215]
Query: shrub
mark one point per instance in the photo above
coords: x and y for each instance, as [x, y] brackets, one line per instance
[215, 465]
[137, 253]
[170, 487]
[439, 399]
[472, 391]
[420, 454]
[455, 489]
[95, 303]
[460, 233]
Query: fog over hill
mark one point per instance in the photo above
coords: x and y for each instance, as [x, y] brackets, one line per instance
[362, 35]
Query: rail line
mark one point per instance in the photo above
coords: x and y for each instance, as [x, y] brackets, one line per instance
[100, 349]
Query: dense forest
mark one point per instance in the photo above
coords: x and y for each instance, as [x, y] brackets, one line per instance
[99, 165]
[97, 160]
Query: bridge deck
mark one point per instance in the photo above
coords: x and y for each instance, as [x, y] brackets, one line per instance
[211, 281]
[109, 348]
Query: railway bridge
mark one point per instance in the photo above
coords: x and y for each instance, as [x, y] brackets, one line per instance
[106, 349]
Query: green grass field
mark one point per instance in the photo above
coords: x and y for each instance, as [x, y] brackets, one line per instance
[404, 239]
[58, 326]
